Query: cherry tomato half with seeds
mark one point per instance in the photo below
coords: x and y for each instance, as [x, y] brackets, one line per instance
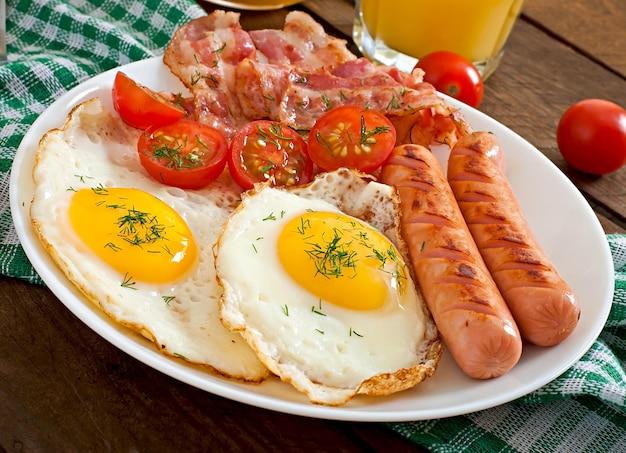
[591, 136]
[266, 151]
[351, 136]
[454, 75]
[184, 154]
[140, 106]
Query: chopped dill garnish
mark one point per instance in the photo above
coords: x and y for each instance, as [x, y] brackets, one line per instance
[332, 257]
[138, 228]
[128, 282]
[367, 135]
[220, 49]
[112, 246]
[394, 103]
[272, 134]
[355, 333]
[100, 190]
[304, 226]
[270, 216]
[328, 103]
[82, 178]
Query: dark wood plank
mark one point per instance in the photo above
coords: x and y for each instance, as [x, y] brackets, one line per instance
[339, 13]
[538, 80]
[64, 388]
[609, 226]
[597, 28]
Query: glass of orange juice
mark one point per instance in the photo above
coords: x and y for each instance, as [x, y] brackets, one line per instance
[255, 4]
[399, 32]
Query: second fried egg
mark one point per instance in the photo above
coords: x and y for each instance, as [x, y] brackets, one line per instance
[324, 298]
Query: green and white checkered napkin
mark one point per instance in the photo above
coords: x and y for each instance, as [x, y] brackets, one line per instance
[54, 45]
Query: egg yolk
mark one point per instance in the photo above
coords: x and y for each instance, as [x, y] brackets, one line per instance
[134, 232]
[341, 260]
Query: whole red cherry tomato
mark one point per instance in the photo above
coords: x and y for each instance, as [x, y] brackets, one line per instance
[592, 136]
[185, 154]
[454, 75]
[140, 106]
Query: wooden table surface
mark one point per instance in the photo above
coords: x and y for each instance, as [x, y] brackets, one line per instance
[63, 388]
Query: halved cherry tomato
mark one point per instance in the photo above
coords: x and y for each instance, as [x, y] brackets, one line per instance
[454, 75]
[140, 107]
[185, 154]
[591, 136]
[351, 136]
[264, 150]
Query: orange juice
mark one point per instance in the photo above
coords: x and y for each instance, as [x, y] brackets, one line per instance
[414, 28]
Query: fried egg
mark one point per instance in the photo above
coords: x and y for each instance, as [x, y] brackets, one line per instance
[139, 250]
[315, 280]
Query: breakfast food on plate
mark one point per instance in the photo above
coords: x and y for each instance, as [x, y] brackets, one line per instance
[293, 76]
[543, 305]
[468, 309]
[136, 248]
[263, 268]
[325, 298]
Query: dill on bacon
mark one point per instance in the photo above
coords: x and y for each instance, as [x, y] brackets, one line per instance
[394, 103]
[328, 103]
[220, 49]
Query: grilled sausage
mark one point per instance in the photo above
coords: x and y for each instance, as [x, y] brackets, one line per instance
[466, 305]
[542, 303]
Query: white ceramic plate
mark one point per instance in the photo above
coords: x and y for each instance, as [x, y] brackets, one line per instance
[561, 218]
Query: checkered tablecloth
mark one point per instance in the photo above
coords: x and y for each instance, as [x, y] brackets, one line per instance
[54, 45]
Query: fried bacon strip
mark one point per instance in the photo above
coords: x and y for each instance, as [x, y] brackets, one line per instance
[296, 74]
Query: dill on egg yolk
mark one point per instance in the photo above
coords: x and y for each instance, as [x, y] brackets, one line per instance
[134, 232]
[341, 260]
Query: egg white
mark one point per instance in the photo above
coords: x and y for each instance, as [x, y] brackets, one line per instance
[95, 148]
[327, 351]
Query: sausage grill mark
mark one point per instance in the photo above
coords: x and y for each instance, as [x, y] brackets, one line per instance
[542, 303]
[470, 313]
